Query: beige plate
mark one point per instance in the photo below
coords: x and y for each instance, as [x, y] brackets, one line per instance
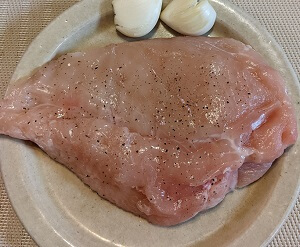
[57, 209]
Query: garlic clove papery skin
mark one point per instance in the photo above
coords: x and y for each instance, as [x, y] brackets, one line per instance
[189, 17]
[136, 18]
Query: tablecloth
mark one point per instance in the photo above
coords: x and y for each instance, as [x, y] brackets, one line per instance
[22, 20]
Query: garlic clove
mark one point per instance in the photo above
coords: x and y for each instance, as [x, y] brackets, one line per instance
[189, 17]
[136, 18]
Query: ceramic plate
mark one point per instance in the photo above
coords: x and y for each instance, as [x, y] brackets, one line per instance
[57, 209]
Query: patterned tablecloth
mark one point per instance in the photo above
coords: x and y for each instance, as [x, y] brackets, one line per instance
[22, 20]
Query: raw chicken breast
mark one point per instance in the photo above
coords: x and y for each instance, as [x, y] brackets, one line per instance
[163, 128]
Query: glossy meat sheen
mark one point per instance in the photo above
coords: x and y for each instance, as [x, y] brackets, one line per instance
[162, 127]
